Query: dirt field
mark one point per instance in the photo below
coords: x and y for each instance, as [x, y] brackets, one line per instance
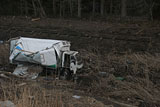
[122, 64]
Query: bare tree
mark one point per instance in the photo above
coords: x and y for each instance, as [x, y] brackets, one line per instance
[38, 8]
[102, 7]
[71, 7]
[34, 8]
[60, 8]
[123, 8]
[111, 7]
[150, 5]
[21, 6]
[79, 8]
[93, 8]
[54, 7]
[41, 9]
[63, 7]
[26, 7]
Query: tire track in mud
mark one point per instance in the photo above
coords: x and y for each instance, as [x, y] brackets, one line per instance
[51, 31]
[103, 41]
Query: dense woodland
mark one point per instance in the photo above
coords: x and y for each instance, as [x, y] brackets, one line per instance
[81, 8]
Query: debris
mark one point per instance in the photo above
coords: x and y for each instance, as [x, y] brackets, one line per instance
[6, 104]
[140, 31]
[120, 78]
[48, 53]
[31, 97]
[103, 74]
[9, 75]
[36, 19]
[22, 84]
[22, 71]
[1, 41]
[4, 76]
[76, 97]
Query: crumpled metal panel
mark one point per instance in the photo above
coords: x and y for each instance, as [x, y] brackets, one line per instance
[22, 71]
[27, 51]
[39, 51]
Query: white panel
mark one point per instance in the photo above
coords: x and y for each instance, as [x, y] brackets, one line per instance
[48, 57]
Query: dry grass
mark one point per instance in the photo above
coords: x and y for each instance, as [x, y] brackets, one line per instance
[31, 96]
[140, 84]
[4, 54]
[140, 73]
[35, 94]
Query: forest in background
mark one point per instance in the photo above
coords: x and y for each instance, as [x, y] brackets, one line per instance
[81, 8]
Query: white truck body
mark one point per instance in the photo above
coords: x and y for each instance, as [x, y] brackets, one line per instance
[45, 52]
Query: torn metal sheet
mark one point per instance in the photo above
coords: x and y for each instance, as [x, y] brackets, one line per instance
[76, 97]
[1, 41]
[22, 71]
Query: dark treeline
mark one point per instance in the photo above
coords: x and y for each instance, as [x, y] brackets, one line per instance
[81, 8]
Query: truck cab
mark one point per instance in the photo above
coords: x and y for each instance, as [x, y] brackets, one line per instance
[71, 62]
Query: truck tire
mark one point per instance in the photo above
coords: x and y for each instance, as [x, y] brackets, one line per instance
[66, 74]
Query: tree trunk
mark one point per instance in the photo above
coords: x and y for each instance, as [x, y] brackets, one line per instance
[54, 7]
[21, 7]
[71, 7]
[111, 7]
[60, 10]
[102, 7]
[34, 8]
[93, 8]
[79, 8]
[26, 8]
[123, 8]
[42, 12]
[63, 7]
[151, 10]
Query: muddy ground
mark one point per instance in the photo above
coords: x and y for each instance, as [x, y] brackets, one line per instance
[133, 36]
[121, 58]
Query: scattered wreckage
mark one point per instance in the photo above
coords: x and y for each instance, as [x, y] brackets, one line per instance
[46, 53]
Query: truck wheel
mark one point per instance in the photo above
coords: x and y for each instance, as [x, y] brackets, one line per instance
[66, 74]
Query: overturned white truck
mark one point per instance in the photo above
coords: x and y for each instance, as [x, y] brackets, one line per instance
[54, 54]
